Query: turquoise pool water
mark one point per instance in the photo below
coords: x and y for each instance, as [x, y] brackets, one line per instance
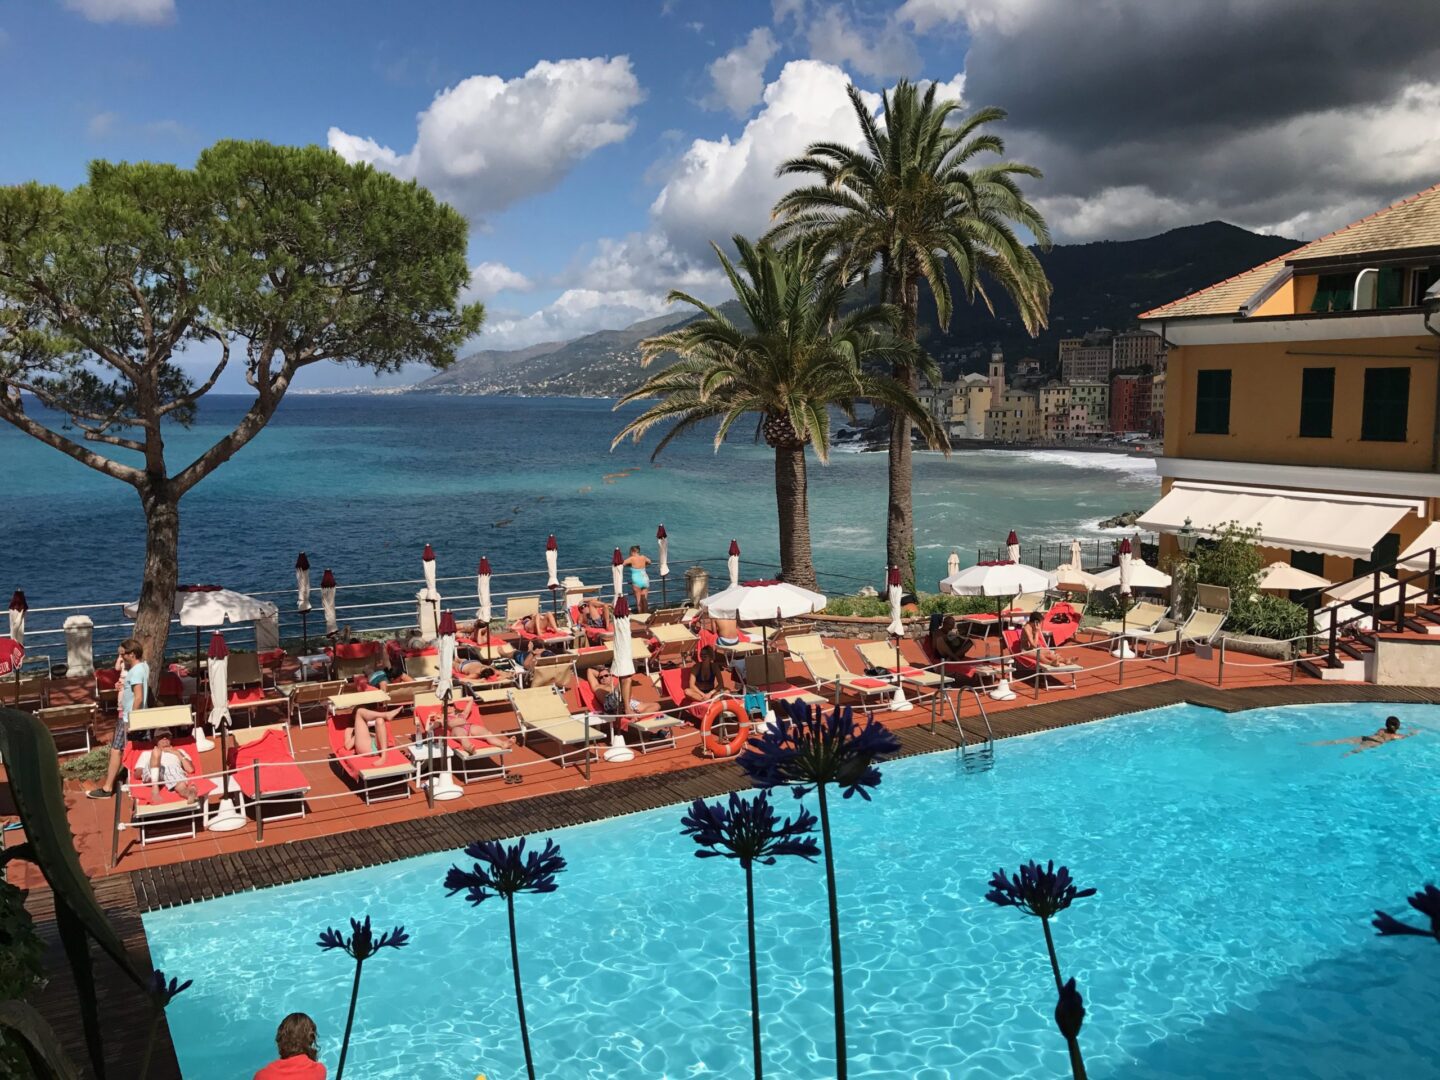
[1237, 866]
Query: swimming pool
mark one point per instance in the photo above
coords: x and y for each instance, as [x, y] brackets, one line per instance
[1237, 867]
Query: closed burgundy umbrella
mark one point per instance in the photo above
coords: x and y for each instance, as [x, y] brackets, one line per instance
[896, 630]
[1012, 547]
[217, 674]
[662, 541]
[482, 582]
[617, 572]
[18, 608]
[733, 562]
[443, 786]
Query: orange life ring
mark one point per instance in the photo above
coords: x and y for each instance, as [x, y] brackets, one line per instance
[713, 745]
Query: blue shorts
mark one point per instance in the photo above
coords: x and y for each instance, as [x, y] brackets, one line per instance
[122, 729]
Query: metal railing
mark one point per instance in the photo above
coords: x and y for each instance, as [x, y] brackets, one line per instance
[1376, 600]
[1096, 553]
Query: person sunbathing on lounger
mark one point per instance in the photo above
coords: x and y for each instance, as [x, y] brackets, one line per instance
[1032, 641]
[726, 630]
[1390, 732]
[379, 674]
[486, 647]
[170, 767]
[473, 669]
[948, 642]
[596, 621]
[609, 691]
[465, 728]
[539, 625]
[358, 739]
[706, 677]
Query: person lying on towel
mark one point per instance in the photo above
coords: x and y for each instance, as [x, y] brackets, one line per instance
[170, 767]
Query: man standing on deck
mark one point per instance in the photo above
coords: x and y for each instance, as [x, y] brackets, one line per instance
[133, 694]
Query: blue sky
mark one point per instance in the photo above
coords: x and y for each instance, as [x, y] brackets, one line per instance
[598, 147]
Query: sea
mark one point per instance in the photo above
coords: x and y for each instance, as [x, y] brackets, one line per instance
[362, 482]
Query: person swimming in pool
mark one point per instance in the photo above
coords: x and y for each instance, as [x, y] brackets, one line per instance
[1389, 732]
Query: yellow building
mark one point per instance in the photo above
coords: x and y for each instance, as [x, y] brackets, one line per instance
[1301, 397]
[1055, 399]
[965, 416]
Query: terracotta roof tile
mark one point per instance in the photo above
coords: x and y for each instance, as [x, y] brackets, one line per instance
[1411, 223]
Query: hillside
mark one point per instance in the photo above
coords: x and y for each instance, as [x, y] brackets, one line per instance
[1106, 283]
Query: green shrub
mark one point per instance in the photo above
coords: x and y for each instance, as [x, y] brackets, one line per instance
[1268, 616]
[930, 604]
[91, 766]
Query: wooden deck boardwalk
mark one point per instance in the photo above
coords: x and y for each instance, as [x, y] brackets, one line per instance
[279, 864]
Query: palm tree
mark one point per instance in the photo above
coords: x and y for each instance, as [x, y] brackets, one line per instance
[913, 203]
[798, 357]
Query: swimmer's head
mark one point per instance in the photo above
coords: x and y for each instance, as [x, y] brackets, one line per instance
[1392, 724]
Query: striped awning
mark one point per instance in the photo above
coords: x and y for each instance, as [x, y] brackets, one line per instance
[1294, 519]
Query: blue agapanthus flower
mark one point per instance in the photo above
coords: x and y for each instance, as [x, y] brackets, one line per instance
[505, 870]
[1036, 890]
[362, 942]
[806, 748]
[1069, 1010]
[749, 830]
[1427, 902]
[161, 992]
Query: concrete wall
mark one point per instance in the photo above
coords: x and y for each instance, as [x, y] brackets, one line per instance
[1408, 662]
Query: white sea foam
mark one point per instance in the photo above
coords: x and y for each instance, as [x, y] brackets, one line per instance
[1137, 467]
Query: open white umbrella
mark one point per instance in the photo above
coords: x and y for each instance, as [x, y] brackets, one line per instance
[482, 587]
[211, 605]
[952, 564]
[996, 579]
[757, 600]
[617, 572]
[1363, 590]
[18, 608]
[327, 600]
[1070, 577]
[896, 629]
[1012, 547]
[1349, 618]
[302, 583]
[1130, 575]
[443, 786]
[733, 563]
[1282, 577]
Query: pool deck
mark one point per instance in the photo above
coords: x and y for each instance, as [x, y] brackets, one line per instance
[350, 835]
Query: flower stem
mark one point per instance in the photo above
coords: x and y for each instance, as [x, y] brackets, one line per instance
[519, 994]
[150, 1042]
[841, 1067]
[754, 972]
[1077, 1064]
[349, 1020]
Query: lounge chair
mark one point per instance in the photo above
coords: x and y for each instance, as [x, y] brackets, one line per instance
[542, 710]
[881, 654]
[797, 645]
[656, 729]
[353, 658]
[66, 721]
[1201, 628]
[826, 669]
[1027, 666]
[671, 616]
[672, 681]
[107, 688]
[486, 759]
[981, 670]
[310, 697]
[1024, 604]
[155, 807]
[243, 669]
[676, 642]
[1061, 622]
[27, 690]
[1145, 615]
[281, 779]
[422, 663]
[371, 773]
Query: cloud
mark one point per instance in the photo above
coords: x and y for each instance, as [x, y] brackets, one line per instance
[573, 313]
[881, 50]
[738, 77]
[134, 11]
[1295, 115]
[487, 142]
[490, 278]
[101, 124]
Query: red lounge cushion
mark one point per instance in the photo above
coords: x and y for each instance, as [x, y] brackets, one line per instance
[870, 684]
[911, 671]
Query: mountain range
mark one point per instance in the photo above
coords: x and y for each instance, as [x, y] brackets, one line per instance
[1102, 284]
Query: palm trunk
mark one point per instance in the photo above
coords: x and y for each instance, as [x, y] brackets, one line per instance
[900, 522]
[754, 971]
[792, 506]
[162, 573]
[519, 994]
[842, 1068]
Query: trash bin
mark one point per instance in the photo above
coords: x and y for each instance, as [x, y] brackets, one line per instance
[697, 585]
[79, 646]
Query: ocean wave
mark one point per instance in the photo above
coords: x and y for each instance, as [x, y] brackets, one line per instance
[1138, 466]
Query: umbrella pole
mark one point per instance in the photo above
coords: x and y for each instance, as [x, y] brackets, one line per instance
[664, 600]
[305, 632]
[197, 656]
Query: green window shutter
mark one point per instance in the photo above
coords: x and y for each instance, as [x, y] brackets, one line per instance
[1212, 402]
[1317, 402]
[1386, 408]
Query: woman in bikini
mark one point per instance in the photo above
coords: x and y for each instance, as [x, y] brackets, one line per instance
[357, 736]
[707, 677]
[465, 727]
[639, 578]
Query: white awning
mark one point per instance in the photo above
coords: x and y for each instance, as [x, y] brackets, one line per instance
[1291, 518]
[1417, 555]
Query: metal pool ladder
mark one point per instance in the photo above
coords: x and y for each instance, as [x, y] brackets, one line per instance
[974, 757]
